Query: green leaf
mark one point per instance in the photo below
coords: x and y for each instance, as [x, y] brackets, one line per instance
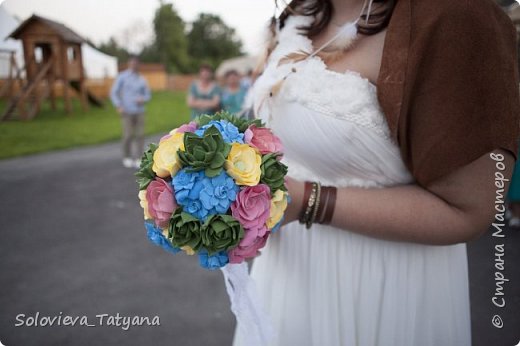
[184, 229]
[273, 172]
[220, 233]
[207, 153]
[145, 174]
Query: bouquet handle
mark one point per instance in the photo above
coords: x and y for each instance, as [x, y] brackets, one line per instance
[253, 323]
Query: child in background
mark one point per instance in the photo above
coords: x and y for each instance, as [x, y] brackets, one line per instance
[233, 94]
[204, 93]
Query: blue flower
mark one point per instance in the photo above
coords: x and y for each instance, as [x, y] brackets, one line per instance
[185, 185]
[229, 132]
[213, 262]
[218, 193]
[202, 196]
[156, 236]
[278, 225]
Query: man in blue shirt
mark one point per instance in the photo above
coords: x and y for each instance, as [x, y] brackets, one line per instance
[129, 94]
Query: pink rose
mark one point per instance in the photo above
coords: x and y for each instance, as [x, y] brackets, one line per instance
[165, 137]
[161, 202]
[251, 207]
[240, 253]
[263, 139]
[191, 127]
[251, 235]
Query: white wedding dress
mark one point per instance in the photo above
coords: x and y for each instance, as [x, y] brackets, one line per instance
[328, 286]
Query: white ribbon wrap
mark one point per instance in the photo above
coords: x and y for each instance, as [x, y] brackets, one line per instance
[253, 323]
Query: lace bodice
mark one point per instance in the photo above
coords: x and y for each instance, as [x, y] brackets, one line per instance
[331, 123]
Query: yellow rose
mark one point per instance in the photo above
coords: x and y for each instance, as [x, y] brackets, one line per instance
[278, 206]
[243, 164]
[165, 233]
[188, 250]
[165, 159]
[144, 204]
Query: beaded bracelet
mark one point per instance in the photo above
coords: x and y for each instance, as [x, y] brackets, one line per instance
[309, 200]
[315, 206]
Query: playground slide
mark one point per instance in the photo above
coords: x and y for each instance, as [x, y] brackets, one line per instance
[92, 99]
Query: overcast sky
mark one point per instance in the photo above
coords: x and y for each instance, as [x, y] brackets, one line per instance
[130, 20]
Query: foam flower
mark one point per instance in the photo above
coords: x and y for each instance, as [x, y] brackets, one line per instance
[156, 236]
[221, 233]
[183, 183]
[144, 204]
[190, 127]
[207, 153]
[277, 226]
[241, 253]
[214, 261]
[273, 172]
[187, 188]
[202, 196]
[263, 139]
[243, 164]
[165, 158]
[218, 193]
[251, 206]
[184, 231]
[161, 202]
[251, 235]
[278, 206]
[229, 132]
[188, 250]
[145, 173]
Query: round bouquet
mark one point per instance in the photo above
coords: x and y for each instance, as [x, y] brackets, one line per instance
[215, 188]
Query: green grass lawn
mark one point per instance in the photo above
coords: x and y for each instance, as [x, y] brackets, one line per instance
[52, 130]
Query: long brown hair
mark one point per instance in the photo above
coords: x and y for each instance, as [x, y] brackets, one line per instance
[323, 10]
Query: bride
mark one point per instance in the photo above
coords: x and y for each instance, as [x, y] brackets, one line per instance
[393, 115]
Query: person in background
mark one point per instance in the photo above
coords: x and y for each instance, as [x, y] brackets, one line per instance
[247, 106]
[247, 80]
[233, 94]
[204, 93]
[129, 94]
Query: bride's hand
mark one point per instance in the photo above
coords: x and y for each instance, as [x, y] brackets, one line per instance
[295, 189]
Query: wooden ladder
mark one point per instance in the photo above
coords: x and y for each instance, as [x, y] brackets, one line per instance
[29, 95]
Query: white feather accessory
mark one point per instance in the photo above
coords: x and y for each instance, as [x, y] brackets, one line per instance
[344, 39]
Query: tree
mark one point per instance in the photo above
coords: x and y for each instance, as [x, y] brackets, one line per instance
[211, 40]
[170, 45]
[111, 47]
[150, 53]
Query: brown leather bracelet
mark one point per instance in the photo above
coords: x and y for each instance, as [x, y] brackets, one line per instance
[331, 205]
[324, 200]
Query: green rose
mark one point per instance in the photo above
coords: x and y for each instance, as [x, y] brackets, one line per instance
[145, 174]
[206, 153]
[273, 172]
[184, 230]
[240, 122]
[221, 233]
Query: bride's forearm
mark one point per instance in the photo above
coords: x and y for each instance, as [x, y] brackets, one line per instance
[402, 213]
[454, 209]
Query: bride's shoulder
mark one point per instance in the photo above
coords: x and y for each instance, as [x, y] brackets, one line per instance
[459, 15]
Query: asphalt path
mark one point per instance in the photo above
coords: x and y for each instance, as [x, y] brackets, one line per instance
[72, 243]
